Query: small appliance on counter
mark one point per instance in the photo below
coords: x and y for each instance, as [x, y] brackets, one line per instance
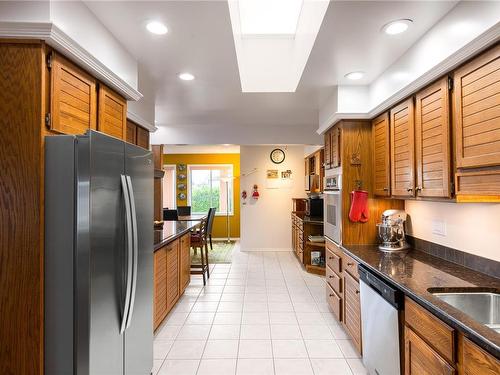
[391, 231]
[314, 205]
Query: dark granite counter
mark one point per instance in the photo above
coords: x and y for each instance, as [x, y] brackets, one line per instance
[415, 273]
[309, 219]
[171, 231]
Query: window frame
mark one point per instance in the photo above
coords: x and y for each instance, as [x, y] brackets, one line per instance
[190, 167]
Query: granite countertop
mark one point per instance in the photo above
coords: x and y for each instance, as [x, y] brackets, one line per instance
[308, 219]
[415, 272]
[171, 231]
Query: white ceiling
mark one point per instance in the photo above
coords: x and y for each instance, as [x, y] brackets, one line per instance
[200, 41]
[202, 149]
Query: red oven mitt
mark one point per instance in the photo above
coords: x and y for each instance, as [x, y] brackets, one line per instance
[359, 206]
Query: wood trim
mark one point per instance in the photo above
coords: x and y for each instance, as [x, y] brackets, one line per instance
[22, 95]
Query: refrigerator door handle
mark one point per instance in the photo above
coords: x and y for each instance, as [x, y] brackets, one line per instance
[128, 220]
[135, 248]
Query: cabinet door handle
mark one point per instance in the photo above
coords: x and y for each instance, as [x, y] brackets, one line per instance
[350, 264]
[357, 291]
[330, 295]
[330, 276]
[386, 189]
[409, 190]
[418, 188]
[330, 258]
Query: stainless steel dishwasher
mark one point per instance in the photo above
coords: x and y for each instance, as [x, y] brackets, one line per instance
[380, 306]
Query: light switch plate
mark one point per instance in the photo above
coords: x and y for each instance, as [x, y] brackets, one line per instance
[439, 227]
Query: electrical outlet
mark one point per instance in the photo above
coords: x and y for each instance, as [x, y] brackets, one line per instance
[439, 227]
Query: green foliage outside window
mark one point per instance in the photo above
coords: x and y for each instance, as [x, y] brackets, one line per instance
[203, 198]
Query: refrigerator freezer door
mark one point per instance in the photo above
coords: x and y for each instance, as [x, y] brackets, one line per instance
[106, 260]
[139, 334]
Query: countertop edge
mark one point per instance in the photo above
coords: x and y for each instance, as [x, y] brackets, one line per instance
[470, 333]
[172, 238]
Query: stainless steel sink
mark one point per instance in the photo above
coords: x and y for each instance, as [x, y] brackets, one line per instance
[481, 306]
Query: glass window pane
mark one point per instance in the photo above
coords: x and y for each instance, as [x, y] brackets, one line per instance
[208, 188]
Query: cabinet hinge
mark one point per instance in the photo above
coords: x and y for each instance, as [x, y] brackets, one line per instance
[48, 120]
[450, 83]
[49, 60]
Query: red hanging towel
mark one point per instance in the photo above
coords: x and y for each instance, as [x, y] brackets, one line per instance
[359, 206]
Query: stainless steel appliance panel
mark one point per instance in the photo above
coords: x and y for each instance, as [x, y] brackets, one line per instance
[139, 334]
[380, 326]
[107, 248]
[332, 227]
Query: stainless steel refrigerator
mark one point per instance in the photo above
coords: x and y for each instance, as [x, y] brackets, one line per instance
[98, 256]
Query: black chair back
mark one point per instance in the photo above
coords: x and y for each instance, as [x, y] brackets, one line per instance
[184, 210]
[211, 217]
[170, 215]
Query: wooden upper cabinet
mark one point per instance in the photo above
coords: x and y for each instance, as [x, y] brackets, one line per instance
[335, 148]
[477, 111]
[402, 149]
[131, 132]
[328, 150]
[73, 98]
[381, 152]
[112, 113]
[432, 140]
[142, 138]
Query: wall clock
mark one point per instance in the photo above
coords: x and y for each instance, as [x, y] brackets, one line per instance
[277, 156]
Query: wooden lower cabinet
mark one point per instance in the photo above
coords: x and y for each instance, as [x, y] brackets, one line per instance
[475, 361]
[434, 348]
[352, 309]
[421, 359]
[185, 262]
[171, 270]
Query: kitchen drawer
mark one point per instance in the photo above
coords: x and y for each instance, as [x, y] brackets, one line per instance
[333, 247]
[334, 280]
[334, 261]
[334, 301]
[351, 266]
[437, 334]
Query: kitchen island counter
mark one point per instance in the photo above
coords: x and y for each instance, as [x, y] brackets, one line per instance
[171, 231]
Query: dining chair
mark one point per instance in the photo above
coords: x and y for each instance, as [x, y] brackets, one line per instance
[184, 210]
[210, 224]
[170, 215]
[199, 241]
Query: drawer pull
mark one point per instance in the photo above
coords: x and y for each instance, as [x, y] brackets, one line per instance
[330, 276]
[331, 295]
[350, 264]
[331, 258]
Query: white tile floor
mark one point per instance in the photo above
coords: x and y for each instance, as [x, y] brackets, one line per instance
[260, 315]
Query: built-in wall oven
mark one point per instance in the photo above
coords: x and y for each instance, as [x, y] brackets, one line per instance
[332, 201]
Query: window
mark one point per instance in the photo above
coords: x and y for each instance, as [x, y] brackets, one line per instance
[207, 188]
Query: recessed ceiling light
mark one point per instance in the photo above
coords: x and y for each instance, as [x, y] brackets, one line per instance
[354, 75]
[397, 27]
[157, 28]
[269, 17]
[186, 76]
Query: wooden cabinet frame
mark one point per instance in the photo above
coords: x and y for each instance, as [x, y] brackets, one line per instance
[403, 110]
[432, 125]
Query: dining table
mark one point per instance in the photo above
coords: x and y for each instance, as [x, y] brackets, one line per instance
[192, 217]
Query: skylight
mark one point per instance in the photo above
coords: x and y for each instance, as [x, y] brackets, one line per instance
[269, 17]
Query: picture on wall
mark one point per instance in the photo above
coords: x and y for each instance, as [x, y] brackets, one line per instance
[272, 173]
[272, 180]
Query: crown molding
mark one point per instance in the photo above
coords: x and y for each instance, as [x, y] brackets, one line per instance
[141, 121]
[482, 42]
[59, 40]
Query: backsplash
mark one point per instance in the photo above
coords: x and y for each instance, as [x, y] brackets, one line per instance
[474, 262]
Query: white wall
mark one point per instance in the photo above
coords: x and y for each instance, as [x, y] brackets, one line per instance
[78, 22]
[249, 135]
[144, 107]
[25, 11]
[265, 223]
[470, 227]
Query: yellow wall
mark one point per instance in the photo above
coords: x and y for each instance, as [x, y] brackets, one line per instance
[219, 230]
